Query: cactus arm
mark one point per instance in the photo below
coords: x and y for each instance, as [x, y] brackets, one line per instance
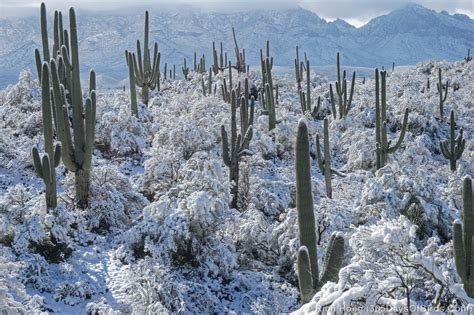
[44, 33]
[37, 162]
[225, 147]
[402, 133]
[57, 155]
[349, 104]
[332, 260]
[305, 280]
[38, 63]
[90, 131]
[308, 86]
[444, 149]
[319, 157]
[133, 91]
[333, 105]
[315, 111]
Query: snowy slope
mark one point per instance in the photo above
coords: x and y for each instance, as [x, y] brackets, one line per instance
[424, 34]
[159, 235]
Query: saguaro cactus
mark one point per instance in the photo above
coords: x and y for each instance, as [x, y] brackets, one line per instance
[310, 281]
[454, 149]
[442, 95]
[305, 98]
[77, 150]
[185, 70]
[233, 154]
[383, 147]
[219, 62]
[463, 233]
[133, 90]
[147, 70]
[240, 64]
[269, 100]
[324, 162]
[341, 90]
[46, 167]
[468, 57]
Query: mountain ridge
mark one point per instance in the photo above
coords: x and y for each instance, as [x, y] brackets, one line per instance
[405, 36]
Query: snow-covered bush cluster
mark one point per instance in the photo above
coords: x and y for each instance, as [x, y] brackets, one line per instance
[159, 235]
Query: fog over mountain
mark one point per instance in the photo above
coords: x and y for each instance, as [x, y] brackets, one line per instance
[405, 36]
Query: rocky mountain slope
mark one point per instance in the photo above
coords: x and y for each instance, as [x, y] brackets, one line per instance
[405, 36]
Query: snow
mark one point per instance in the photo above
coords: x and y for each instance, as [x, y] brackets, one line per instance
[159, 235]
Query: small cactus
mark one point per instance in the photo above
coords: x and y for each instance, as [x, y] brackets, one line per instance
[240, 64]
[309, 279]
[454, 149]
[383, 147]
[185, 70]
[324, 162]
[468, 58]
[442, 95]
[341, 90]
[463, 233]
[238, 144]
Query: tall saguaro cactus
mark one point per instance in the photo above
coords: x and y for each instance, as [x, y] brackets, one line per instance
[46, 167]
[76, 149]
[309, 279]
[454, 149]
[324, 162]
[240, 64]
[269, 100]
[443, 93]
[305, 98]
[146, 70]
[238, 144]
[341, 90]
[463, 233]
[383, 147]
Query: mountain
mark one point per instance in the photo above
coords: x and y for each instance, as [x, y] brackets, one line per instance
[405, 36]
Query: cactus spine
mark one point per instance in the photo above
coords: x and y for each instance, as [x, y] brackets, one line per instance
[324, 162]
[463, 233]
[233, 154]
[46, 167]
[341, 90]
[442, 98]
[147, 71]
[77, 150]
[383, 147]
[454, 149]
[309, 278]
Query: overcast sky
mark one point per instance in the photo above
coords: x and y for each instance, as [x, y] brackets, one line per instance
[356, 12]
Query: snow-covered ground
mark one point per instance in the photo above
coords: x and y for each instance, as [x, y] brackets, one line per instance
[159, 236]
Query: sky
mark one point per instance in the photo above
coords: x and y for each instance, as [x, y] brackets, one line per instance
[356, 12]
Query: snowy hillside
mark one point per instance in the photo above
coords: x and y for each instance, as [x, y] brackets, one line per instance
[406, 36]
[159, 235]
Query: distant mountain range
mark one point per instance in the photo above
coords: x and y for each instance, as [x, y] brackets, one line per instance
[405, 36]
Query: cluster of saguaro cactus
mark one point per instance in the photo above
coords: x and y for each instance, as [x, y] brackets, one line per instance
[240, 64]
[76, 150]
[341, 90]
[219, 61]
[239, 143]
[463, 234]
[201, 66]
[146, 70]
[383, 147]
[468, 57]
[324, 162]
[443, 93]
[309, 279]
[453, 149]
[46, 167]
